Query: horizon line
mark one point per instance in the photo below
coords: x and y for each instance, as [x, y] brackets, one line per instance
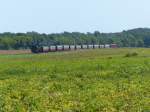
[76, 31]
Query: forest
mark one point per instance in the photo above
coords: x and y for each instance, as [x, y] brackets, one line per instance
[139, 37]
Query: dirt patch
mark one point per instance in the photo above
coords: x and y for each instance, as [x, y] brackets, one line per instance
[15, 52]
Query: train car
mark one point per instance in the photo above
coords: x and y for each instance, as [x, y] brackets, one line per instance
[72, 47]
[45, 49]
[59, 48]
[84, 46]
[66, 47]
[78, 46]
[52, 48]
[114, 46]
[90, 46]
[102, 46]
[107, 45]
[36, 49]
[96, 46]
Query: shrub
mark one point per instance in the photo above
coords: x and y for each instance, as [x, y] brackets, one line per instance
[131, 54]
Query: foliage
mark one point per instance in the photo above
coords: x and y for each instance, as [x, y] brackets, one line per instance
[131, 54]
[132, 38]
[81, 81]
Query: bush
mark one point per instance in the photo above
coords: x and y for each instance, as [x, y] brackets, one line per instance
[131, 54]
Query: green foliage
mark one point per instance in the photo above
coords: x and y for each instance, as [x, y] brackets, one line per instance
[131, 54]
[81, 81]
[131, 38]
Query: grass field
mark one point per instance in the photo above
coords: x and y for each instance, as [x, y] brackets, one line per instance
[79, 81]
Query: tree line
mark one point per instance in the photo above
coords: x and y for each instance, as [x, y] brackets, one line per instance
[132, 38]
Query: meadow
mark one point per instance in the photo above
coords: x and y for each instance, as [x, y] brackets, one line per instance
[102, 80]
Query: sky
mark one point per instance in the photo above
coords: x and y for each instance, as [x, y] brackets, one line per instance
[55, 16]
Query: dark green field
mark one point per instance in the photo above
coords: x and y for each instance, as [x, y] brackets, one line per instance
[105, 80]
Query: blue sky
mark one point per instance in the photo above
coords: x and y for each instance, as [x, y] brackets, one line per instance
[51, 16]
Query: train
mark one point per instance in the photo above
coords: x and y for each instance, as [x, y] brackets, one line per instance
[55, 48]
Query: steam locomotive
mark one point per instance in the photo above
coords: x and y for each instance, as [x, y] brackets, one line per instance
[54, 48]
